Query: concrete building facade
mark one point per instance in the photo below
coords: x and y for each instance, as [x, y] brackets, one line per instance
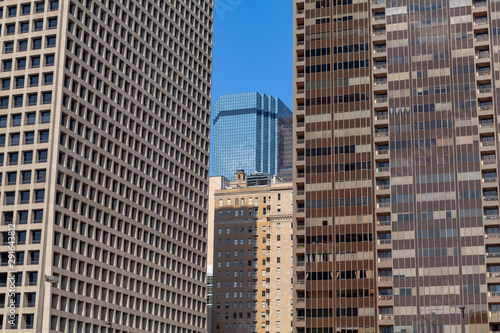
[104, 153]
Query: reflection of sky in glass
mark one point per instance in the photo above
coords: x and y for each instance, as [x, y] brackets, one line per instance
[245, 134]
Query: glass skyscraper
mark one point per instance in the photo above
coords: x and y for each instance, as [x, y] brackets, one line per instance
[251, 132]
[395, 166]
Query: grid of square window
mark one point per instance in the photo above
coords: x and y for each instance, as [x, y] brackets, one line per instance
[24, 136]
[130, 148]
[26, 79]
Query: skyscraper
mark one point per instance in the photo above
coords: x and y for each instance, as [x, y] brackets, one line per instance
[104, 133]
[251, 132]
[395, 166]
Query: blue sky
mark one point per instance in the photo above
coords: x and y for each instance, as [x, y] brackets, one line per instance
[253, 48]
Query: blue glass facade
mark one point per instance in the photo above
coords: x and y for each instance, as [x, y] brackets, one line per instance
[251, 132]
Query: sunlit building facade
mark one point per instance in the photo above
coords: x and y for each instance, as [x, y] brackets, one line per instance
[396, 219]
[104, 145]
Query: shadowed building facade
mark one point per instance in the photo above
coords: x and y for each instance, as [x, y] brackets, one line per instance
[396, 218]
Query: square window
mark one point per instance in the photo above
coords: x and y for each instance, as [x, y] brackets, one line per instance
[34, 259]
[8, 47]
[43, 136]
[10, 29]
[3, 121]
[4, 102]
[21, 63]
[24, 27]
[51, 41]
[10, 198]
[52, 23]
[16, 120]
[8, 217]
[34, 80]
[41, 176]
[39, 196]
[44, 117]
[11, 178]
[30, 118]
[20, 82]
[42, 156]
[46, 97]
[49, 60]
[36, 43]
[29, 138]
[13, 158]
[37, 216]
[12, 11]
[27, 157]
[15, 139]
[24, 197]
[26, 9]
[53, 5]
[22, 45]
[18, 101]
[25, 177]
[22, 217]
[32, 99]
[39, 7]
[35, 62]
[5, 84]
[7, 65]
[48, 78]
[36, 237]
[29, 320]
[38, 25]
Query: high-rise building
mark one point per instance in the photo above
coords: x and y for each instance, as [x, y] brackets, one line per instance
[104, 135]
[251, 132]
[252, 276]
[395, 166]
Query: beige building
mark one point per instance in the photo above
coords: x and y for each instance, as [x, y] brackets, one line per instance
[252, 274]
[104, 143]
